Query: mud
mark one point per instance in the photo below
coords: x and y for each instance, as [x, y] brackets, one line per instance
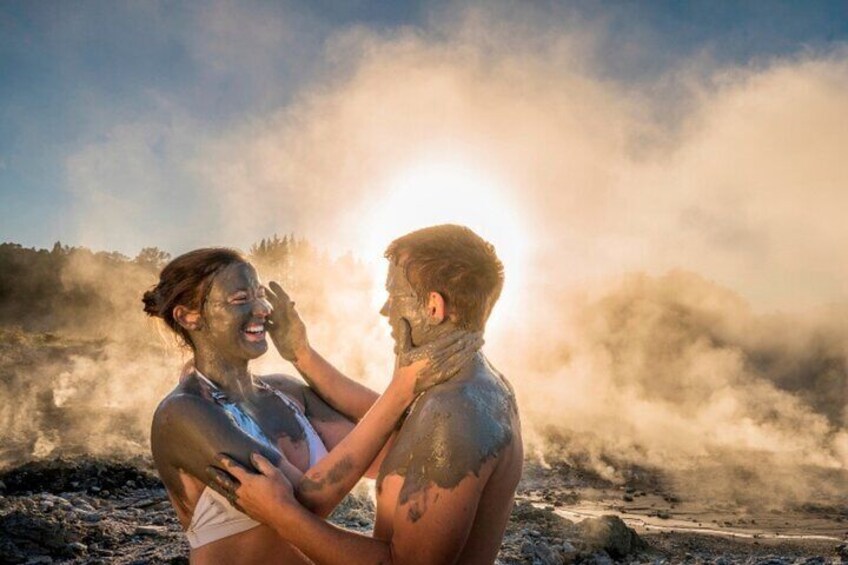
[452, 430]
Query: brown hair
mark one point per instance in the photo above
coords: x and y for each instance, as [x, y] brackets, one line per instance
[186, 281]
[455, 262]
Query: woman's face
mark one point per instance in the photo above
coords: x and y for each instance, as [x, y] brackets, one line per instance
[234, 315]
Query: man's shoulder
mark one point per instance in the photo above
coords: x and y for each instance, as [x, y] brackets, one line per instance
[452, 430]
[482, 395]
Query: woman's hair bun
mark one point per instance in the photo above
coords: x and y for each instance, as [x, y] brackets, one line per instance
[152, 302]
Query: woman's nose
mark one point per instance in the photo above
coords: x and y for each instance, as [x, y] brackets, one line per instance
[261, 307]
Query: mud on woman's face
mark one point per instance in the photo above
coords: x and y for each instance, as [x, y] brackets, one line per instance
[235, 313]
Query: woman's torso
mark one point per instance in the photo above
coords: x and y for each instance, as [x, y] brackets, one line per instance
[274, 413]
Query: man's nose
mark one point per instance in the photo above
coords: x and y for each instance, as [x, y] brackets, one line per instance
[384, 311]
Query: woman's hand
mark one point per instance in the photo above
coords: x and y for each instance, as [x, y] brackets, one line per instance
[437, 361]
[263, 496]
[287, 330]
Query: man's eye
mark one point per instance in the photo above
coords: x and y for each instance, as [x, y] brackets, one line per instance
[239, 298]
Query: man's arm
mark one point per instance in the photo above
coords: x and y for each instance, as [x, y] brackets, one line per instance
[187, 434]
[436, 536]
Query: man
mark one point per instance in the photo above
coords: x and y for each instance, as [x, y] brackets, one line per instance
[447, 480]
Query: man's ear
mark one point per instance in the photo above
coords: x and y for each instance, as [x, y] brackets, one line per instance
[435, 308]
[187, 318]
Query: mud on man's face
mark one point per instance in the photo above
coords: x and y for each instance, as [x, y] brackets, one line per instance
[234, 316]
[404, 304]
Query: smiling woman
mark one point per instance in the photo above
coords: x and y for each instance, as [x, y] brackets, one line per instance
[450, 190]
[214, 300]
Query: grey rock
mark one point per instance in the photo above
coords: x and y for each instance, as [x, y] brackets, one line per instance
[155, 531]
[91, 517]
[842, 551]
[545, 555]
[610, 534]
[600, 558]
[527, 548]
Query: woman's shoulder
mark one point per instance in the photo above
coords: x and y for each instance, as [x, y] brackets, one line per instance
[287, 384]
[185, 400]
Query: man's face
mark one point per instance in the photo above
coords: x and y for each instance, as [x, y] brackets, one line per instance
[235, 312]
[403, 304]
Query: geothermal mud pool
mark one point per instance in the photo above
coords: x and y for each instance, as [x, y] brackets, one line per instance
[87, 510]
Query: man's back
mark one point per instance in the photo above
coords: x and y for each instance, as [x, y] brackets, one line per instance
[451, 474]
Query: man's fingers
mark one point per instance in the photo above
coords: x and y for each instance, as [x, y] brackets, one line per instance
[232, 466]
[262, 464]
[464, 347]
[405, 338]
[221, 481]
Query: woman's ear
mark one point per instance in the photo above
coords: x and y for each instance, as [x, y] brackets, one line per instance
[435, 309]
[187, 318]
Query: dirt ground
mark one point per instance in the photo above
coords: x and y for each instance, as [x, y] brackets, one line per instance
[88, 510]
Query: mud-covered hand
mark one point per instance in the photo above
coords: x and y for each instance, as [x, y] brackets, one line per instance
[437, 361]
[262, 496]
[287, 330]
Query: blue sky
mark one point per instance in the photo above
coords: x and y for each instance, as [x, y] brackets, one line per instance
[72, 73]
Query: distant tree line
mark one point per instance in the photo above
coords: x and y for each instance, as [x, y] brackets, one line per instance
[74, 287]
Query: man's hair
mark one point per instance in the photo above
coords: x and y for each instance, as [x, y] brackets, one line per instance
[455, 262]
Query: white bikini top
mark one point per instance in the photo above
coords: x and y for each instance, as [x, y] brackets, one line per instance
[214, 517]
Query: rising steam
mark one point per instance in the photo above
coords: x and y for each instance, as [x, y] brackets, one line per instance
[735, 175]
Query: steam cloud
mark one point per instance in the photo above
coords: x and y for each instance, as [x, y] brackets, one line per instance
[734, 173]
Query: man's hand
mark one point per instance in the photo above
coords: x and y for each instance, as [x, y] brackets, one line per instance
[437, 361]
[263, 495]
[287, 330]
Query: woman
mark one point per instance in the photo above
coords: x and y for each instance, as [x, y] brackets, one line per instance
[214, 301]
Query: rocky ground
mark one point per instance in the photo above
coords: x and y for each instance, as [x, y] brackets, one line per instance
[95, 511]
[114, 510]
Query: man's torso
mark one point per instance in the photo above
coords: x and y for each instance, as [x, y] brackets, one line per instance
[464, 434]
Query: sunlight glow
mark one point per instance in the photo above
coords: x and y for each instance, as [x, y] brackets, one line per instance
[448, 190]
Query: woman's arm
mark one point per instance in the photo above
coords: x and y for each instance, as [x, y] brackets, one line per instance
[187, 433]
[324, 485]
[349, 397]
[288, 332]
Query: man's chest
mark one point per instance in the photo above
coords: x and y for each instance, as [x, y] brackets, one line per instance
[388, 493]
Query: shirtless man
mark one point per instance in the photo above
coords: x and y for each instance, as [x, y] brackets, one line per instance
[446, 485]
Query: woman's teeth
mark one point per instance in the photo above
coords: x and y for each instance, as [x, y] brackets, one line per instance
[255, 332]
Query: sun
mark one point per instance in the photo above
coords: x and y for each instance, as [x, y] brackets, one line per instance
[440, 190]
